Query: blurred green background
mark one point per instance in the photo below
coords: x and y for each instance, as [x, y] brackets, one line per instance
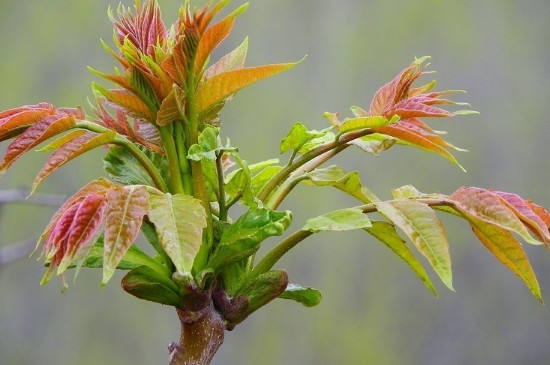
[375, 311]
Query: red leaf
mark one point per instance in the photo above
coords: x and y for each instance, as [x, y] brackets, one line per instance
[526, 214]
[145, 30]
[14, 121]
[47, 127]
[123, 218]
[72, 149]
[96, 187]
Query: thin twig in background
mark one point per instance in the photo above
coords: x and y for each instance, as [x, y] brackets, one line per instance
[21, 195]
[17, 251]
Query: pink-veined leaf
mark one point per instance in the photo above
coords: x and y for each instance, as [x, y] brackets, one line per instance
[231, 61]
[145, 29]
[125, 99]
[15, 121]
[526, 214]
[487, 206]
[223, 85]
[98, 187]
[425, 230]
[126, 207]
[385, 232]
[396, 89]
[179, 220]
[507, 250]
[72, 149]
[84, 226]
[44, 129]
[409, 108]
[213, 36]
[540, 211]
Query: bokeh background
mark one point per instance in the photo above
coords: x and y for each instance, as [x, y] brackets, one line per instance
[374, 311]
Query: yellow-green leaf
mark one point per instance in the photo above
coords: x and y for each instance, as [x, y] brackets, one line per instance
[385, 232]
[425, 230]
[179, 220]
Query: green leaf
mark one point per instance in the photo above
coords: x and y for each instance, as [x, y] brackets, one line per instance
[385, 232]
[349, 183]
[243, 238]
[263, 289]
[209, 144]
[126, 207]
[145, 283]
[298, 136]
[375, 143]
[260, 179]
[240, 184]
[425, 230]
[125, 169]
[228, 83]
[179, 220]
[132, 259]
[338, 220]
[354, 124]
[309, 297]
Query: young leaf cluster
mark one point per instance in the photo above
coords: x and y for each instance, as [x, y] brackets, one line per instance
[171, 176]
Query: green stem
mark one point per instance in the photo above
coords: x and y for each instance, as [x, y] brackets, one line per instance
[284, 173]
[221, 190]
[172, 157]
[182, 157]
[199, 185]
[277, 197]
[278, 251]
[122, 141]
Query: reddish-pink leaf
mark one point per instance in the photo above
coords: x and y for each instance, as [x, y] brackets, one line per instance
[526, 214]
[58, 236]
[124, 213]
[47, 127]
[86, 222]
[145, 29]
[412, 108]
[14, 121]
[488, 207]
[97, 187]
[223, 85]
[72, 149]
[540, 211]
[395, 90]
